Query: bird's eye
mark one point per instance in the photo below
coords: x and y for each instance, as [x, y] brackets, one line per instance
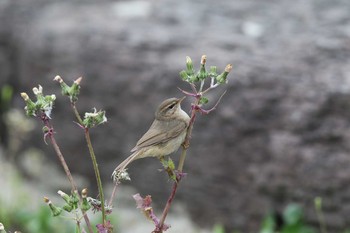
[172, 106]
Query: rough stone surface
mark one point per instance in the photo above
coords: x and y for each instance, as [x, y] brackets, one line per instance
[280, 135]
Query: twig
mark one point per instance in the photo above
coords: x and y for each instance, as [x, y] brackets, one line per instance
[114, 192]
[94, 162]
[97, 174]
[66, 169]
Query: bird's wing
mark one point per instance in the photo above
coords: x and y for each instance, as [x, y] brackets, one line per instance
[156, 136]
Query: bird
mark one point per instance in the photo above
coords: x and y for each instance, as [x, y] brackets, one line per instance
[165, 135]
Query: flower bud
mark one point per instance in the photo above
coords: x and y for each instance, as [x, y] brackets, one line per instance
[183, 75]
[30, 107]
[222, 78]
[213, 71]
[74, 200]
[64, 196]
[25, 96]
[56, 211]
[64, 87]
[75, 90]
[202, 74]
[189, 66]
[67, 207]
[85, 205]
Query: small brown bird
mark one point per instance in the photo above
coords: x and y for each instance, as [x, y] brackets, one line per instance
[165, 136]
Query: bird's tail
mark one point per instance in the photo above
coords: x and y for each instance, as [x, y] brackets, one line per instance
[126, 162]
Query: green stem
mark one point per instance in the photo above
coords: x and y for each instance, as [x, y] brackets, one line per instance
[77, 115]
[94, 162]
[68, 173]
[182, 159]
[97, 173]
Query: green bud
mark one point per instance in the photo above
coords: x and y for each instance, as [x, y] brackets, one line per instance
[94, 118]
[222, 78]
[194, 78]
[74, 200]
[30, 107]
[85, 206]
[71, 91]
[67, 207]
[64, 196]
[189, 65]
[75, 90]
[202, 74]
[213, 71]
[64, 87]
[56, 211]
[183, 75]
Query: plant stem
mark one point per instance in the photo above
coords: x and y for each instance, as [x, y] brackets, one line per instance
[97, 173]
[110, 203]
[182, 160]
[63, 162]
[167, 206]
[186, 144]
[67, 171]
[76, 113]
[94, 162]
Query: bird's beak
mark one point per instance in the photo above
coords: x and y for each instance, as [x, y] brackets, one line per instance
[180, 100]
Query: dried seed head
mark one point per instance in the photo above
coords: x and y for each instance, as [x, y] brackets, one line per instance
[78, 80]
[228, 68]
[204, 59]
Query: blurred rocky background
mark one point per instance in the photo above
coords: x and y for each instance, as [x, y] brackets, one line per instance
[280, 135]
